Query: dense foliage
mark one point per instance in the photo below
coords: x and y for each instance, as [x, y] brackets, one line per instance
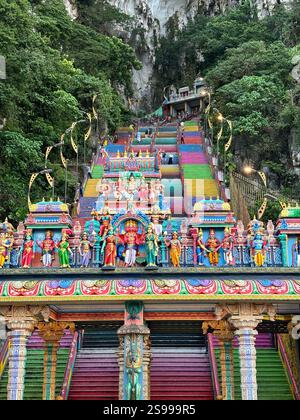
[248, 62]
[54, 67]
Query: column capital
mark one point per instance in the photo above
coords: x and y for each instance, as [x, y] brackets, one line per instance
[222, 329]
[133, 329]
[246, 315]
[24, 317]
[53, 331]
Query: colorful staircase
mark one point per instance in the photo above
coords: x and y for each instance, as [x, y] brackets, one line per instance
[180, 368]
[272, 379]
[96, 371]
[35, 368]
[196, 172]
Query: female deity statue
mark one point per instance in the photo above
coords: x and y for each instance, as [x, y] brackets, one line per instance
[175, 249]
[64, 251]
[3, 249]
[105, 221]
[213, 246]
[200, 248]
[28, 249]
[132, 186]
[151, 248]
[109, 248]
[47, 246]
[227, 246]
[85, 250]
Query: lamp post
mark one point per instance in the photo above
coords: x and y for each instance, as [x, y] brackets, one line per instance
[2, 77]
[33, 178]
[66, 179]
[248, 170]
[49, 149]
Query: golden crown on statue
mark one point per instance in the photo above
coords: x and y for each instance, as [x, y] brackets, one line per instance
[131, 224]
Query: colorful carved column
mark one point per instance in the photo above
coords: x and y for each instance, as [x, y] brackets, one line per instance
[51, 332]
[283, 240]
[21, 321]
[134, 354]
[245, 317]
[222, 330]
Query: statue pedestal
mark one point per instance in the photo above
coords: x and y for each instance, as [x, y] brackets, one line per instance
[151, 268]
[108, 268]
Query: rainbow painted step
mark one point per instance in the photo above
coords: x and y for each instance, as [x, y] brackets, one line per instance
[272, 379]
[180, 374]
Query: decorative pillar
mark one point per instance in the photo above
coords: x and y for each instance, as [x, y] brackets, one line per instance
[222, 330]
[51, 332]
[245, 317]
[283, 240]
[134, 354]
[21, 321]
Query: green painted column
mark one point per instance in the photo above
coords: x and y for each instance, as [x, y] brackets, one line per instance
[51, 332]
[134, 355]
[227, 367]
[283, 239]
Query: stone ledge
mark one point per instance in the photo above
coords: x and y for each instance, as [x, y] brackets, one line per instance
[5, 273]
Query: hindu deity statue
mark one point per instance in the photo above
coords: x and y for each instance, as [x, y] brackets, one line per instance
[143, 191]
[105, 221]
[213, 246]
[151, 248]
[200, 248]
[27, 250]
[298, 252]
[133, 370]
[48, 247]
[64, 251]
[132, 185]
[157, 227]
[109, 248]
[258, 250]
[227, 246]
[131, 239]
[175, 249]
[3, 249]
[85, 250]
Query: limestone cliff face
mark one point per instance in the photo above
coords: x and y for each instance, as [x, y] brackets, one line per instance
[71, 8]
[151, 23]
[152, 18]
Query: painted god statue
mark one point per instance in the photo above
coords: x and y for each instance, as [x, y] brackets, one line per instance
[227, 246]
[175, 249]
[151, 248]
[131, 239]
[133, 370]
[85, 250]
[48, 247]
[109, 248]
[258, 250]
[28, 250]
[298, 252]
[200, 249]
[64, 251]
[3, 250]
[105, 221]
[213, 246]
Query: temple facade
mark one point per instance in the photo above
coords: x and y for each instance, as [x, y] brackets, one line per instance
[152, 290]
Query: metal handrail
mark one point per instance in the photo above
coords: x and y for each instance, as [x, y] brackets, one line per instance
[70, 366]
[4, 355]
[214, 366]
[288, 367]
